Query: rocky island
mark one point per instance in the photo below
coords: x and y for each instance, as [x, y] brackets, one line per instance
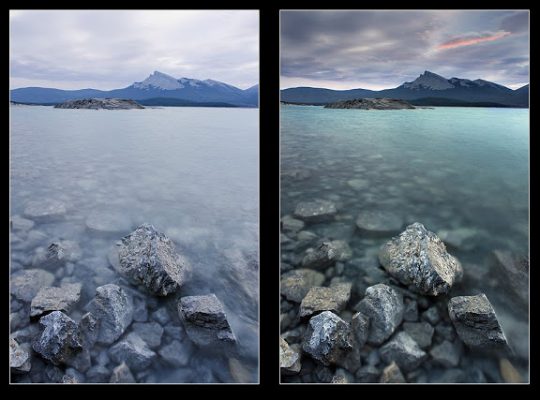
[101, 104]
[373, 104]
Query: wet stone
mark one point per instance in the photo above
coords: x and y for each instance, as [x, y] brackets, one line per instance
[368, 374]
[26, 284]
[161, 315]
[327, 254]
[89, 329]
[18, 224]
[98, 374]
[239, 372]
[333, 298]
[296, 284]
[392, 374]
[55, 299]
[432, 315]
[445, 331]
[57, 254]
[421, 332]
[106, 222]
[150, 332]
[379, 222]
[360, 329]
[133, 351]
[404, 351]
[175, 354]
[342, 376]
[315, 211]
[446, 354]
[513, 273]
[289, 359]
[291, 225]
[19, 358]
[411, 311]
[44, 210]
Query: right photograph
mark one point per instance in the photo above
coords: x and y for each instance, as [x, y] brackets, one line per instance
[404, 196]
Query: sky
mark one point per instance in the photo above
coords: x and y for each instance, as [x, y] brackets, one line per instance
[382, 49]
[77, 49]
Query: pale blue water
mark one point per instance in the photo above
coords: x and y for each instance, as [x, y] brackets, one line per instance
[191, 172]
[448, 168]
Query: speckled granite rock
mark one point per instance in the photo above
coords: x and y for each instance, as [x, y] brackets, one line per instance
[332, 298]
[289, 359]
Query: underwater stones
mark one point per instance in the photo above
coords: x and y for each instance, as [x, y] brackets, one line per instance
[133, 351]
[60, 339]
[315, 211]
[291, 225]
[512, 274]
[326, 254]
[392, 374]
[418, 258]
[358, 184]
[476, 323]
[107, 222]
[421, 332]
[57, 255]
[150, 332]
[175, 353]
[239, 372]
[20, 224]
[383, 305]
[446, 354]
[113, 307]
[44, 210]
[19, 358]
[205, 320]
[149, 257]
[459, 238]
[404, 351]
[379, 222]
[332, 298]
[327, 338]
[122, 374]
[296, 284]
[55, 299]
[289, 358]
[26, 284]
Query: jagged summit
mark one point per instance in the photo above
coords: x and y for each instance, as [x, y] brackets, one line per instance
[159, 80]
[429, 80]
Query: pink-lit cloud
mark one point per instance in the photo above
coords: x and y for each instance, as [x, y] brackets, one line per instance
[470, 40]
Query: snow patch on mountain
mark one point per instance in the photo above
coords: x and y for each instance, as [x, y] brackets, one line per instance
[159, 80]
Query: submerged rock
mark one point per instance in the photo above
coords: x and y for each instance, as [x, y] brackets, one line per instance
[315, 211]
[327, 338]
[332, 298]
[26, 284]
[205, 320]
[89, 329]
[296, 284]
[392, 374]
[421, 332]
[512, 274]
[150, 332]
[417, 257]
[446, 354]
[55, 299]
[19, 359]
[383, 305]
[57, 255]
[404, 351]
[508, 372]
[476, 323]
[18, 224]
[289, 359]
[108, 222]
[44, 210]
[149, 257]
[291, 225]
[113, 307]
[239, 372]
[327, 254]
[379, 222]
[133, 351]
[60, 339]
[122, 374]
[175, 353]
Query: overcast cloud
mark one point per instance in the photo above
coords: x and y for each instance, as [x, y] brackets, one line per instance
[113, 49]
[383, 49]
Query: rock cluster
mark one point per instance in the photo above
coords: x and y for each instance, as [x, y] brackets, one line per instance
[98, 104]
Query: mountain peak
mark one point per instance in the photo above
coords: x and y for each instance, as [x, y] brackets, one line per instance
[429, 80]
[158, 80]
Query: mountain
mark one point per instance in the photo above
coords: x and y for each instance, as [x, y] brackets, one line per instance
[157, 86]
[427, 86]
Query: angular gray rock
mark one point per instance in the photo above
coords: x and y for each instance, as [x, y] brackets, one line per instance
[24, 285]
[327, 338]
[291, 225]
[367, 374]
[332, 298]
[383, 305]
[327, 254]
[60, 339]
[150, 332]
[149, 257]
[418, 258]
[379, 222]
[360, 329]
[113, 308]
[512, 274]
[122, 374]
[476, 322]
[55, 299]
[161, 315]
[89, 329]
[205, 320]
[296, 284]
[176, 353]
[315, 211]
[392, 374]
[57, 255]
[421, 332]
[411, 311]
[19, 358]
[446, 354]
[404, 351]
[133, 351]
[44, 210]
[432, 315]
[289, 359]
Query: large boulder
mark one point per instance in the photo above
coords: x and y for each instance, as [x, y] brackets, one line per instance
[315, 211]
[418, 258]
[289, 358]
[55, 299]
[296, 284]
[404, 351]
[205, 321]
[476, 322]
[149, 257]
[26, 284]
[113, 307]
[327, 254]
[133, 351]
[383, 305]
[333, 298]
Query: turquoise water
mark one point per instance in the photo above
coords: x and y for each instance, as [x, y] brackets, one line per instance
[191, 172]
[448, 168]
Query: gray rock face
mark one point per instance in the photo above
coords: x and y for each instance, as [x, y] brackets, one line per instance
[373, 104]
[289, 359]
[327, 254]
[149, 257]
[44, 210]
[476, 323]
[133, 351]
[60, 339]
[122, 374]
[379, 222]
[418, 258]
[446, 354]
[101, 104]
[360, 328]
[150, 332]
[392, 374]
[384, 307]
[291, 225]
[175, 354]
[404, 351]
[514, 274]
[26, 284]
[327, 338]
[113, 307]
[57, 255]
[296, 284]
[19, 359]
[421, 332]
[205, 320]
[315, 211]
[333, 299]
[55, 299]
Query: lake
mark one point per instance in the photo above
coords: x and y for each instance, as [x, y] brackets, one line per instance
[190, 172]
[462, 172]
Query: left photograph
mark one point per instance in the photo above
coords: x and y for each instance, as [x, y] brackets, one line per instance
[134, 196]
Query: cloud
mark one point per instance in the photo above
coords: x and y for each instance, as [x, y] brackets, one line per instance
[471, 40]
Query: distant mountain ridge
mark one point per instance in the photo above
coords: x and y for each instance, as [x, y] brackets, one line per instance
[156, 86]
[427, 86]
